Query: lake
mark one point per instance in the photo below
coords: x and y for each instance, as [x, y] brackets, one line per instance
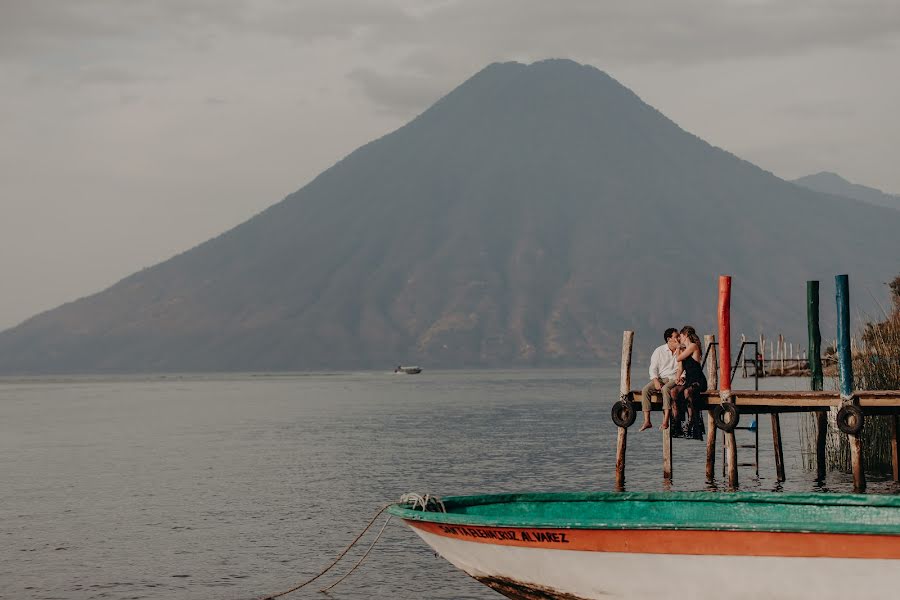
[239, 486]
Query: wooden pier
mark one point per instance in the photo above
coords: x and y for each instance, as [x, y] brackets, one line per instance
[724, 406]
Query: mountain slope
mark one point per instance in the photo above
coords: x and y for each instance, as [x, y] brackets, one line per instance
[832, 183]
[528, 217]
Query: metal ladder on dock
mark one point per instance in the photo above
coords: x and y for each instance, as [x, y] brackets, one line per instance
[753, 427]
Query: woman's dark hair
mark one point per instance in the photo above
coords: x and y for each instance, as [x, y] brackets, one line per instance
[691, 333]
[669, 333]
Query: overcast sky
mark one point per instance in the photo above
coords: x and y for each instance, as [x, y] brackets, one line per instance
[133, 130]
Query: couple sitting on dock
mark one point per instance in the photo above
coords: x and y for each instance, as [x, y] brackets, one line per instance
[676, 373]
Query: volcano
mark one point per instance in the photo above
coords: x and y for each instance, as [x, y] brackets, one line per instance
[526, 218]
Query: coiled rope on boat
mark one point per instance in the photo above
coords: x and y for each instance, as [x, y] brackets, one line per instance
[425, 503]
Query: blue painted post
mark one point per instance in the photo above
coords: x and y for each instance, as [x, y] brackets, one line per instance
[845, 362]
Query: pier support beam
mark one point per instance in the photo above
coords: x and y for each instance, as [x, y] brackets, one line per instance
[814, 354]
[821, 436]
[667, 453]
[895, 450]
[624, 387]
[711, 430]
[779, 452]
[725, 373]
[845, 361]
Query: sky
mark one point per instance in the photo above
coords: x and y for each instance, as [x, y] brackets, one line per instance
[131, 131]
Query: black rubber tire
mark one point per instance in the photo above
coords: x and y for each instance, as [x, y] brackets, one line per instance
[623, 413]
[850, 419]
[726, 416]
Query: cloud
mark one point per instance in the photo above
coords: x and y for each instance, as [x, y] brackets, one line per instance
[30, 27]
[106, 74]
[651, 30]
[615, 35]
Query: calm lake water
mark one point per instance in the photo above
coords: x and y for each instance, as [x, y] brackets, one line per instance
[241, 486]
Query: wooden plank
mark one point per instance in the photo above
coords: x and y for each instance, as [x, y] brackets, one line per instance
[872, 399]
[624, 387]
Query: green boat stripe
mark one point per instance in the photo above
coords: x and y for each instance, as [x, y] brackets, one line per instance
[739, 511]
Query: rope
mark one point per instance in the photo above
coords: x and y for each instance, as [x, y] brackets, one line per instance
[372, 545]
[426, 503]
[336, 560]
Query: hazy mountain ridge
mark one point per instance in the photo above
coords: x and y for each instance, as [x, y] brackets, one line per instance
[528, 217]
[832, 183]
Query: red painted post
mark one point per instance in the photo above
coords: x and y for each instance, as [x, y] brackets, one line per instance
[725, 334]
[725, 372]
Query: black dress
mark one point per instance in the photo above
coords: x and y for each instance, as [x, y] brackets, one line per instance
[693, 377]
[693, 374]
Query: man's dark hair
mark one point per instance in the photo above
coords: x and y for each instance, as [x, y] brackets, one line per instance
[669, 333]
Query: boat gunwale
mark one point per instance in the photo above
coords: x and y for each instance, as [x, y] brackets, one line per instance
[759, 500]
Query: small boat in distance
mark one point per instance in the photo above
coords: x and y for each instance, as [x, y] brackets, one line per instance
[643, 546]
[407, 370]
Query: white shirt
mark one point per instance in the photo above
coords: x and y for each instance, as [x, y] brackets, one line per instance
[663, 363]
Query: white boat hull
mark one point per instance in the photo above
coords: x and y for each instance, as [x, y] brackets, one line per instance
[548, 573]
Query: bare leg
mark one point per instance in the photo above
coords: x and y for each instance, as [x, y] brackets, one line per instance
[645, 404]
[689, 396]
[665, 423]
[674, 394]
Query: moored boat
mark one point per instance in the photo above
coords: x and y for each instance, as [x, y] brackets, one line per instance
[592, 546]
[408, 370]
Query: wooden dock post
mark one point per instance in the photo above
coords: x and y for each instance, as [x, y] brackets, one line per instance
[711, 429]
[743, 357]
[821, 438]
[624, 388]
[667, 453]
[779, 451]
[781, 349]
[815, 371]
[845, 362]
[762, 356]
[895, 450]
[725, 372]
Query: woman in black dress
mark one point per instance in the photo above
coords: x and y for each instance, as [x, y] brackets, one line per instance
[691, 382]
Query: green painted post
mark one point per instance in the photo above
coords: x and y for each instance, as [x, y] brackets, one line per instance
[815, 336]
[815, 370]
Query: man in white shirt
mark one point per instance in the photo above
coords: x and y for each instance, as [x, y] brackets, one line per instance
[663, 366]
